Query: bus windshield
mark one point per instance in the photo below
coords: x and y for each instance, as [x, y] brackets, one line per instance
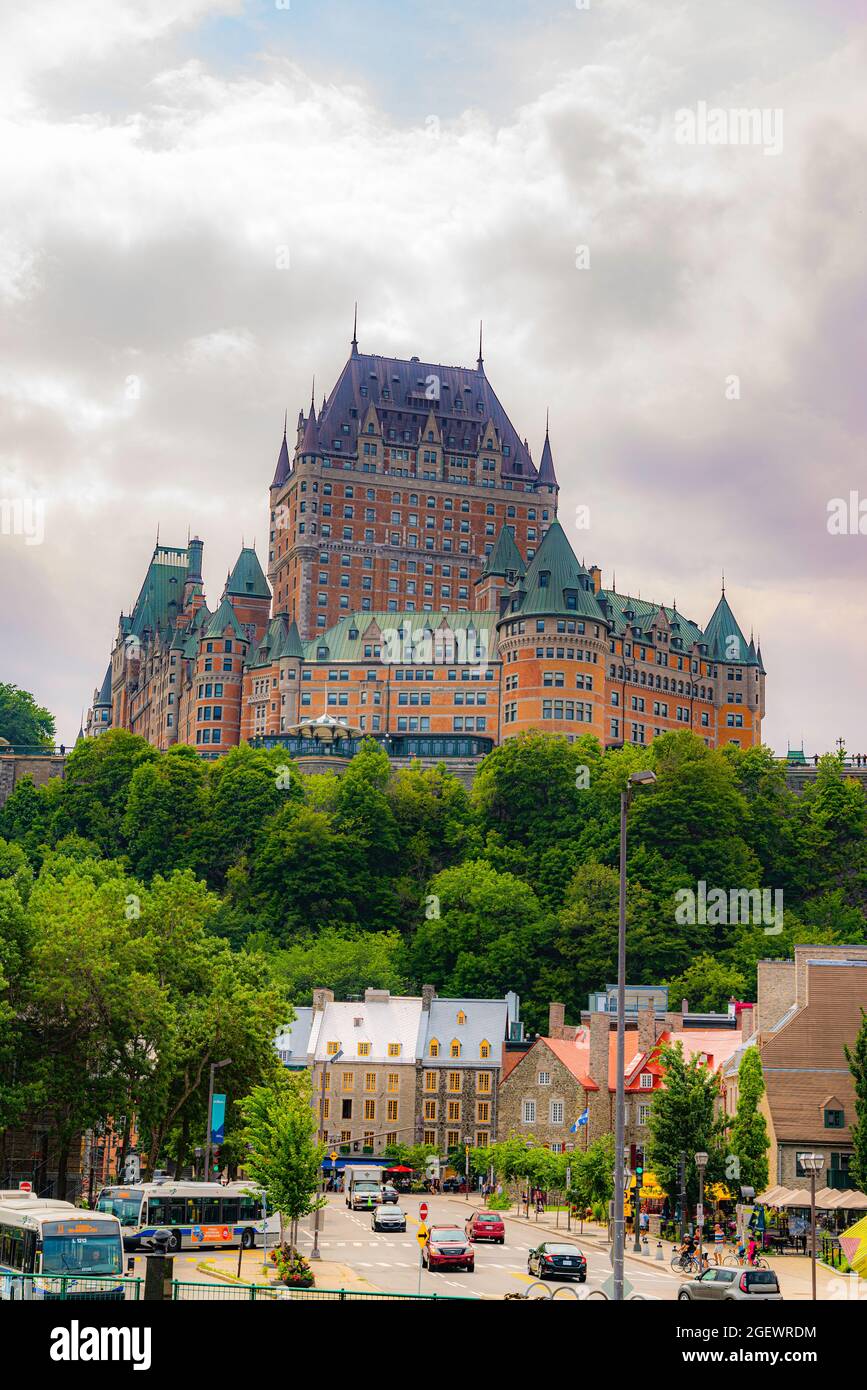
[81, 1255]
[126, 1206]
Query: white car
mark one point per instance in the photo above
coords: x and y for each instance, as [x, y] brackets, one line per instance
[388, 1218]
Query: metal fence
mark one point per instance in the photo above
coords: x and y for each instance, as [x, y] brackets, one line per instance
[99, 1288]
[256, 1293]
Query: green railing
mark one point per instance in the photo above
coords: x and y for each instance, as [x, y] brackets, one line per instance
[256, 1293]
[68, 1287]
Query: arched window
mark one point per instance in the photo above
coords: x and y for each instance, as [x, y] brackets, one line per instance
[484, 1048]
[434, 1049]
[462, 1018]
[455, 1048]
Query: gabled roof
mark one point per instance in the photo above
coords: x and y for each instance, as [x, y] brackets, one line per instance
[342, 645]
[645, 612]
[247, 579]
[280, 639]
[505, 558]
[392, 1020]
[486, 1021]
[225, 617]
[553, 573]
[724, 638]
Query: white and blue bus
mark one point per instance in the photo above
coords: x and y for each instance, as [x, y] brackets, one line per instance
[51, 1249]
[196, 1214]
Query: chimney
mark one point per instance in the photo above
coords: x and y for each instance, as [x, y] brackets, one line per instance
[600, 1029]
[596, 576]
[556, 1020]
[684, 1007]
[428, 995]
[376, 996]
[646, 1027]
[321, 997]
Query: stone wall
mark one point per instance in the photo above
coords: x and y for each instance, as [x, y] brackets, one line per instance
[41, 767]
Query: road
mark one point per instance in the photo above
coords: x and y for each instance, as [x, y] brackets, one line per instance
[390, 1261]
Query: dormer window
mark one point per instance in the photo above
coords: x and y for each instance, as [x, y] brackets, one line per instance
[484, 1049]
[434, 1048]
[462, 1018]
[455, 1048]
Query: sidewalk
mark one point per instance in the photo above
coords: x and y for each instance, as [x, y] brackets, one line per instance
[793, 1271]
[329, 1274]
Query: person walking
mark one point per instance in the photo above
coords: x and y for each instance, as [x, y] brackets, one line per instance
[719, 1241]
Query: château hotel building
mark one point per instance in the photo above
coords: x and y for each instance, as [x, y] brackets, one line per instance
[420, 590]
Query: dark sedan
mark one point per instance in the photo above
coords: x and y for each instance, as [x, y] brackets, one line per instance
[555, 1260]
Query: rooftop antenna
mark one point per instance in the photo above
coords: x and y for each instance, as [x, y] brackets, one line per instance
[723, 583]
[285, 420]
[481, 362]
[355, 329]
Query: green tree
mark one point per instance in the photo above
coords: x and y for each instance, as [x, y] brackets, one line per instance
[708, 984]
[96, 786]
[683, 1118]
[857, 1059]
[593, 1173]
[348, 961]
[748, 1136]
[300, 875]
[285, 1157]
[22, 721]
[165, 812]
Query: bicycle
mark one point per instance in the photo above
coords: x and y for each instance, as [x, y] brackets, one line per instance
[685, 1264]
[741, 1261]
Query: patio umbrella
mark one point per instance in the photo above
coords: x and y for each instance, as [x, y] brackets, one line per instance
[796, 1199]
[853, 1243]
[774, 1197]
[847, 1200]
[399, 1168]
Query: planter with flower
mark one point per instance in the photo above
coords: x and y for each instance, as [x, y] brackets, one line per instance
[292, 1268]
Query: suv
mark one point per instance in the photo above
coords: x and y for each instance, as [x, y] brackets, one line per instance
[447, 1247]
[486, 1225]
[725, 1283]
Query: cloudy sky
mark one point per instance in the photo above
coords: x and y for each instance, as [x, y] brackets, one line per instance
[691, 313]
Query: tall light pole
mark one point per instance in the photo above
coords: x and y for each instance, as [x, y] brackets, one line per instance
[701, 1164]
[215, 1066]
[637, 779]
[814, 1163]
[314, 1253]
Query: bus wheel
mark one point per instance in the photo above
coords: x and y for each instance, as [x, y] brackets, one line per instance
[175, 1241]
[248, 1239]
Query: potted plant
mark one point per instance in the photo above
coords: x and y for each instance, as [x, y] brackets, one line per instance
[292, 1268]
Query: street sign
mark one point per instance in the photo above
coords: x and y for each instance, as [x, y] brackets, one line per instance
[422, 1211]
[25, 1187]
[421, 1234]
[699, 1213]
[333, 1155]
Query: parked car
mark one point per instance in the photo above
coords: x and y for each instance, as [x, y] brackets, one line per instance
[725, 1283]
[388, 1218]
[486, 1225]
[389, 1192]
[555, 1259]
[447, 1247]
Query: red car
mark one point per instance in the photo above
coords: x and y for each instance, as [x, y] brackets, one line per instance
[486, 1225]
[447, 1247]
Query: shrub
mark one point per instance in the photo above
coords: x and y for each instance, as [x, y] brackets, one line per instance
[499, 1203]
[292, 1267]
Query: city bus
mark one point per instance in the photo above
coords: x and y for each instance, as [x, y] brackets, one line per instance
[195, 1214]
[51, 1249]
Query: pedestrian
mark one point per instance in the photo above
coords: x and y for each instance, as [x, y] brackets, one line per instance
[499, 1189]
[718, 1244]
[644, 1220]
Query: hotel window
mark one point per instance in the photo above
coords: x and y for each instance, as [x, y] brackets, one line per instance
[390, 1138]
[528, 1112]
[434, 1048]
[393, 1081]
[392, 1110]
[370, 1109]
[455, 1048]
[454, 1111]
[483, 1083]
[430, 1136]
[346, 1110]
[453, 1138]
[331, 1048]
[483, 1112]
[370, 1081]
[364, 1049]
[643, 1114]
[482, 1139]
[454, 1081]
[394, 1049]
[430, 1080]
[345, 1136]
[326, 1108]
[556, 1112]
[348, 1080]
[430, 1109]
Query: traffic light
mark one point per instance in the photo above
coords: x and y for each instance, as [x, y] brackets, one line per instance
[217, 1165]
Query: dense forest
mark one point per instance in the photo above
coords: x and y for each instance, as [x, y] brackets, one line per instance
[155, 907]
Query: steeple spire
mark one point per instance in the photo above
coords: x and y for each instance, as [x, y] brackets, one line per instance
[355, 331]
[481, 362]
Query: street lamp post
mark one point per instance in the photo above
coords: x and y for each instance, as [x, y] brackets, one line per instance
[636, 780]
[314, 1253]
[215, 1066]
[701, 1164]
[814, 1163]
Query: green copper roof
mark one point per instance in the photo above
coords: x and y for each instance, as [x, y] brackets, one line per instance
[645, 612]
[725, 639]
[556, 582]
[104, 697]
[225, 617]
[247, 578]
[163, 585]
[281, 638]
[505, 558]
[347, 639]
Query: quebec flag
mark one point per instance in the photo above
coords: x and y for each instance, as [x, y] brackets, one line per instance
[582, 1120]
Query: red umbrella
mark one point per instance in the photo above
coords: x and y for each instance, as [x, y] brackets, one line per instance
[399, 1168]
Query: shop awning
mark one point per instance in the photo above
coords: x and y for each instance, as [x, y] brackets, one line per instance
[853, 1243]
[774, 1197]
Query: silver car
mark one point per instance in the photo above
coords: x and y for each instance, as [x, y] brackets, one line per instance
[388, 1218]
[721, 1282]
